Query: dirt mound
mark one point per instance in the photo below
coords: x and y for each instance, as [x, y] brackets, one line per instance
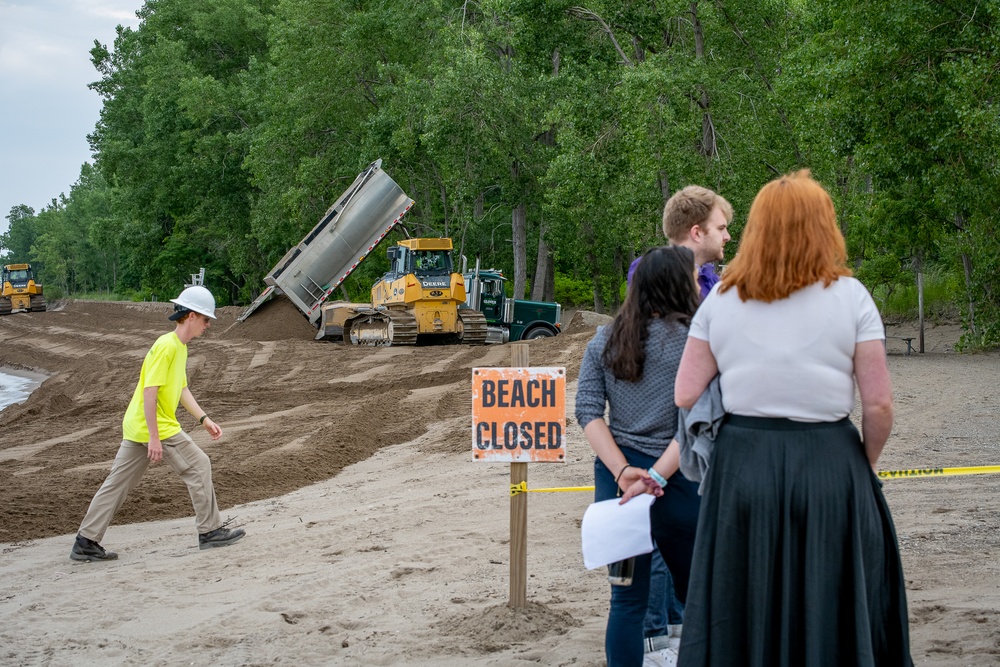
[293, 410]
[276, 319]
[495, 628]
[585, 320]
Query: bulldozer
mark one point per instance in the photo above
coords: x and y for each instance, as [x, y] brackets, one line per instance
[19, 292]
[421, 298]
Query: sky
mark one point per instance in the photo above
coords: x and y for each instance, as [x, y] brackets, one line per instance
[46, 109]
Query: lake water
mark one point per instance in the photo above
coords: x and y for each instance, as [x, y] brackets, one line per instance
[15, 387]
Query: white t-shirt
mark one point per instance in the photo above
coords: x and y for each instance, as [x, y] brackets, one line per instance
[791, 358]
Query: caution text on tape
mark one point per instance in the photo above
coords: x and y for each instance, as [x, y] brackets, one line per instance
[883, 474]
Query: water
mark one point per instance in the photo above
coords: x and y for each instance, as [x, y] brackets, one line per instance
[15, 388]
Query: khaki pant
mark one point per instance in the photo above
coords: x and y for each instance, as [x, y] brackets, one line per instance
[187, 460]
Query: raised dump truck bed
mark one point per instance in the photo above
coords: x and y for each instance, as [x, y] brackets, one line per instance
[347, 232]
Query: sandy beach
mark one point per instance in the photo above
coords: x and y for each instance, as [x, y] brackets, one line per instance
[373, 538]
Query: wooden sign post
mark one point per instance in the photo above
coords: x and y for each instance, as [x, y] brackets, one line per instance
[518, 599]
[518, 416]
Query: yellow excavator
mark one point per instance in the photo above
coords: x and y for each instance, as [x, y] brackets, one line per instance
[18, 291]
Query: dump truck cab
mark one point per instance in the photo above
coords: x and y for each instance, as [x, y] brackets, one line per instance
[509, 319]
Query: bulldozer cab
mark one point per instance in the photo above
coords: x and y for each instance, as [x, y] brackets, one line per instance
[422, 262]
[17, 275]
[432, 262]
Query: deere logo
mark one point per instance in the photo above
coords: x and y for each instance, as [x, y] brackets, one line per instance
[437, 293]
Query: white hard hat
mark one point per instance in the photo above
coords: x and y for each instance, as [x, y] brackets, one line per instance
[196, 298]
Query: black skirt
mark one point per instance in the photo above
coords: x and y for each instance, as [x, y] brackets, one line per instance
[796, 560]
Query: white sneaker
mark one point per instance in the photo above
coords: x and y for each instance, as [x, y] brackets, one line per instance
[666, 657]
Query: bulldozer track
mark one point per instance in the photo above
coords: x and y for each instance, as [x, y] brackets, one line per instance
[473, 326]
[397, 327]
[402, 328]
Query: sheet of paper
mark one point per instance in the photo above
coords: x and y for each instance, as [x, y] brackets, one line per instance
[613, 532]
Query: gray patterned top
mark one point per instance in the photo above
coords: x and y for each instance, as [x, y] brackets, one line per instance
[642, 414]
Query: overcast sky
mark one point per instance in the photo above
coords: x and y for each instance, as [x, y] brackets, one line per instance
[46, 109]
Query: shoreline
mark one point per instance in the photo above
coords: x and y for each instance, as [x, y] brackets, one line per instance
[34, 381]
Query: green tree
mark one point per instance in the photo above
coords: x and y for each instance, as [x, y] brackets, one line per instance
[671, 94]
[331, 68]
[21, 231]
[170, 139]
[898, 111]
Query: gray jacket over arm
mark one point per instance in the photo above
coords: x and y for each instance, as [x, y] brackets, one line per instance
[696, 431]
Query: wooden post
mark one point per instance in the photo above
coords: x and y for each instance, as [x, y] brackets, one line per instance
[920, 308]
[518, 511]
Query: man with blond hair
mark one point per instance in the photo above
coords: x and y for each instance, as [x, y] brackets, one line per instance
[697, 218]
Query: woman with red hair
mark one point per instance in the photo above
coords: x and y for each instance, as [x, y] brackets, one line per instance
[796, 560]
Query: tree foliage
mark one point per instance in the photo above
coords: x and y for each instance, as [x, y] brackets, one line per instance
[543, 136]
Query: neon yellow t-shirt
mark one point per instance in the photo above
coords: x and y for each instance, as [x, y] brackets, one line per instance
[165, 367]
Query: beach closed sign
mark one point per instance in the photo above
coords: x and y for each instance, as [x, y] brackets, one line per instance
[519, 414]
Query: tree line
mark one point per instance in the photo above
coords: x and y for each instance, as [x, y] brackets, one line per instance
[543, 136]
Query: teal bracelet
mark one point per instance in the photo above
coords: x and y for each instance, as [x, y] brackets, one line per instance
[657, 477]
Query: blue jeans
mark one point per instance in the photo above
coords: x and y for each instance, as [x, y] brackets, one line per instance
[673, 517]
[664, 608]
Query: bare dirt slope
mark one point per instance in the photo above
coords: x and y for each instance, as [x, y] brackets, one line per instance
[294, 410]
[402, 559]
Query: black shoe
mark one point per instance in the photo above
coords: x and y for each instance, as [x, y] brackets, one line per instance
[220, 537]
[89, 550]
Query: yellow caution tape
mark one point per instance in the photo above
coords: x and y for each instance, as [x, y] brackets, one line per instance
[883, 474]
[937, 472]
[523, 488]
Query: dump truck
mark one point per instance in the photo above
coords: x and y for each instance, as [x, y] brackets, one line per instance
[19, 292]
[421, 299]
[349, 230]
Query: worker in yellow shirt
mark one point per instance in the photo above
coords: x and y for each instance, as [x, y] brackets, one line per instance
[151, 433]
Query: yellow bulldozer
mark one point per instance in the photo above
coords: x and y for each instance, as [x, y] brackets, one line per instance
[19, 292]
[421, 296]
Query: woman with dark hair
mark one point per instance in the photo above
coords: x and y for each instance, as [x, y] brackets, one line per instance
[630, 366]
[796, 560]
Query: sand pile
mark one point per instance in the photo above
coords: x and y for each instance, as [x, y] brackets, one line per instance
[585, 320]
[276, 319]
